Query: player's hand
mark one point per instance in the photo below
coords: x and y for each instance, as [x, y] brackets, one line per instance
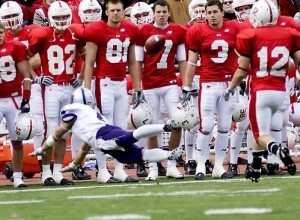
[24, 108]
[44, 80]
[137, 98]
[70, 168]
[37, 152]
[227, 94]
[187, 94]
[76, 82]
[243, 87]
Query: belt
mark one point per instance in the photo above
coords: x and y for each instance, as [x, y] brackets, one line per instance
[64, 83]
[114, 78]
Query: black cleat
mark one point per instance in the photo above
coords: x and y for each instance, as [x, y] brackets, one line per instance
[113, 180]
[80, 174]
[190, 167]
[50, 182]
[252, 174]
[141, 170]
[161, 170]
[285, 157]
[66, 182]
[199, 176]
[273, 169]
[209, 166]
[232, 170]
[130, 179]
[180, 162]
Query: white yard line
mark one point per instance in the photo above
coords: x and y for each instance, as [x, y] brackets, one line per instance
[174, 193]
[120, 217]
[20, 202]
[230, 211]
[137, 185]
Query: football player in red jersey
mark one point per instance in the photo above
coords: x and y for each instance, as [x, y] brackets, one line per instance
[12, 17]
[57, 46]
[159, 79]
[198, 15]
[268, 56]
[111, 45]
[215, 42]
[14, 61]
[40, 16]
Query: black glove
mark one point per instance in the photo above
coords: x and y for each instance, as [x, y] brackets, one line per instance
[137, 98]
[186, 95]
[77, 82]
[243, 87]
[24, 108]
[44, 80]
[227, 94]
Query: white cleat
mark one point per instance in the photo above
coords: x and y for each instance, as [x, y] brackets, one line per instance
[18, 183]
[220, 173]
[152, 175]
[175, 153]
[105, 177]
[123, 176]
[173, 172]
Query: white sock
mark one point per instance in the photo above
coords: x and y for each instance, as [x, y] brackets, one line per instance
[17, 175]
[155, 155]
[57, 175]
[203, 148]
[190, 139]
[148, 131]
[250, 141]
[220, 148]
[101, 159]
[235, 146]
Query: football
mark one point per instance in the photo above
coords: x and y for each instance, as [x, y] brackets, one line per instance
[154, 44]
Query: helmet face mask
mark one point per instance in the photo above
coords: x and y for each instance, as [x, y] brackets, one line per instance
[242, 9]
[89, 11]
[11, 15]
[197, 10]
[263, 13]
[141, 13]
[60, 15]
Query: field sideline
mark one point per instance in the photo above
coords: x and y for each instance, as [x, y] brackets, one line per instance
[271, 198]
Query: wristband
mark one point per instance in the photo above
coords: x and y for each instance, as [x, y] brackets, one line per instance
[26, 94]
[27, 79]
[191, 63]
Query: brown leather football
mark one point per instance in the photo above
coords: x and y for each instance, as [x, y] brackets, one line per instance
[155, 43]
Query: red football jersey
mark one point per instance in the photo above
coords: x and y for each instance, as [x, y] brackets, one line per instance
[11, 53]
[216, 49]
[113, 44]
[159, 69]
[283, 21]
[57, 51]
[269, 54]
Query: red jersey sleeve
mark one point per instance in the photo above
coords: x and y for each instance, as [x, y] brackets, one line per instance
[19, 52]
[36, 39]
[91, 32]
[192, 34]
[244, 43]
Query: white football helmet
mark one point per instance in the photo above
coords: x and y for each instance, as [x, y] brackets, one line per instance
[197, 13]
[240, 111]
[141, 13]
[292, 137]
[186, 115]
[83, 96]
[244, 14]
[89, 11]
[141, 115]
[11, 15]
[60, 9]
[263, 13]
[25, 126]
[295, 114]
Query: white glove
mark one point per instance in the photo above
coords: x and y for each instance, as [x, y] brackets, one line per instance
[37, 152]
[70, 168]
[76, 82]
[297, 17]
[44, 80]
